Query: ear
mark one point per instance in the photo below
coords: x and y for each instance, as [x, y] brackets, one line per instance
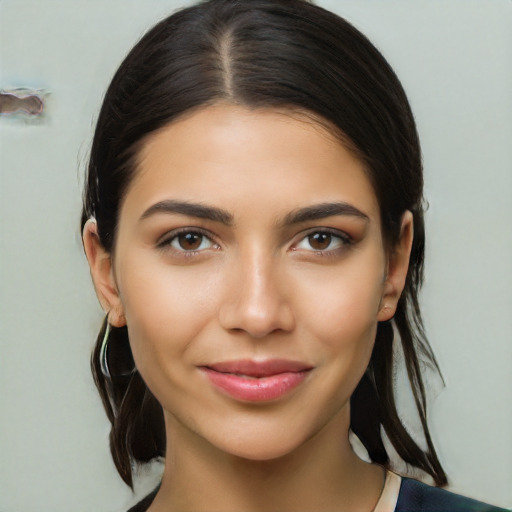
[397, 266]
[100, 264]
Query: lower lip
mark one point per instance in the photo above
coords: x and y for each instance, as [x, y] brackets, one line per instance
[255, 389]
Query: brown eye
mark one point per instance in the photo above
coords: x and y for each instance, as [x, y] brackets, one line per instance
[323, 241]
[320, 241]
[190, 241]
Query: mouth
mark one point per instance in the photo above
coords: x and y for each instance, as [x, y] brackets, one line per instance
[256, 381]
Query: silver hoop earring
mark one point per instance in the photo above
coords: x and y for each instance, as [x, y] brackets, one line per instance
[103, 357]
[103, 353]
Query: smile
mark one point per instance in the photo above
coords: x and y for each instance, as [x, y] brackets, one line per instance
[256, 381]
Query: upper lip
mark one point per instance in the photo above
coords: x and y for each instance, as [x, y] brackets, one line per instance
[253, 368]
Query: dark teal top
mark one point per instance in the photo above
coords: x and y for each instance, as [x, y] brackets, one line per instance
[414, 496]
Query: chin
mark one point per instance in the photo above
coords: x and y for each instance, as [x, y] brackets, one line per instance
[260, 451]
[260, 440]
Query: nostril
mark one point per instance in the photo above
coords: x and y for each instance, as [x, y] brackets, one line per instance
[238, 318]
[257, 301]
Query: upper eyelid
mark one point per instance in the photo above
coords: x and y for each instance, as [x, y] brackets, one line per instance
[345, 239]
[332, 231]
[167, 237]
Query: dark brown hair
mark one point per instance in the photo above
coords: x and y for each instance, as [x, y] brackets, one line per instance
[267, 54]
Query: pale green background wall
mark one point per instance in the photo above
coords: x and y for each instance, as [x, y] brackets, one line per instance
[455, 60]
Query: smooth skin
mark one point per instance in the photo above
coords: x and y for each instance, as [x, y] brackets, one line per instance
[252, 234]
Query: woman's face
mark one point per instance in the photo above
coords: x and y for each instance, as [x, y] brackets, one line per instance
[250, 270]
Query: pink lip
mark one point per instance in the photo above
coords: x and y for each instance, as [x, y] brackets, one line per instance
[256, 381]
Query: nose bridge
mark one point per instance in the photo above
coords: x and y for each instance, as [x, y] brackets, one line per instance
[259, 287]
[257, 300]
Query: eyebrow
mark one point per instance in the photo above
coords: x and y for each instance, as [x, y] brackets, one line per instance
[323, 210]
[201, 211]
[191, 210]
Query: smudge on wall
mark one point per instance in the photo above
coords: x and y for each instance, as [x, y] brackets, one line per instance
[21, 101]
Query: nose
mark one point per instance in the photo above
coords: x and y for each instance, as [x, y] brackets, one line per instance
[256, 299]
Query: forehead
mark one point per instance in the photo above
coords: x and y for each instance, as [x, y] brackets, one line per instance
[243, 159]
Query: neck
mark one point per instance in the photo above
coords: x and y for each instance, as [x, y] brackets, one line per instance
[321, 474]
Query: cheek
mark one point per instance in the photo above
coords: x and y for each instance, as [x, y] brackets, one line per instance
[165, 309]
[348, 333]
[344, 309]
[343, 320]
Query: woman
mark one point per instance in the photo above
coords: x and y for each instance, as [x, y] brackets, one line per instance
[253, 221]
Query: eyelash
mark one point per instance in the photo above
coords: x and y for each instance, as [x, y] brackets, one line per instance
[166, 242]
[344, 241]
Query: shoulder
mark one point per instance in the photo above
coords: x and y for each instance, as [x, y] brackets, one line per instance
[143, 505]
[418, 497]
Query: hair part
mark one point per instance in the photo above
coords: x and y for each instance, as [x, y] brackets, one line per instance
[271, 54]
